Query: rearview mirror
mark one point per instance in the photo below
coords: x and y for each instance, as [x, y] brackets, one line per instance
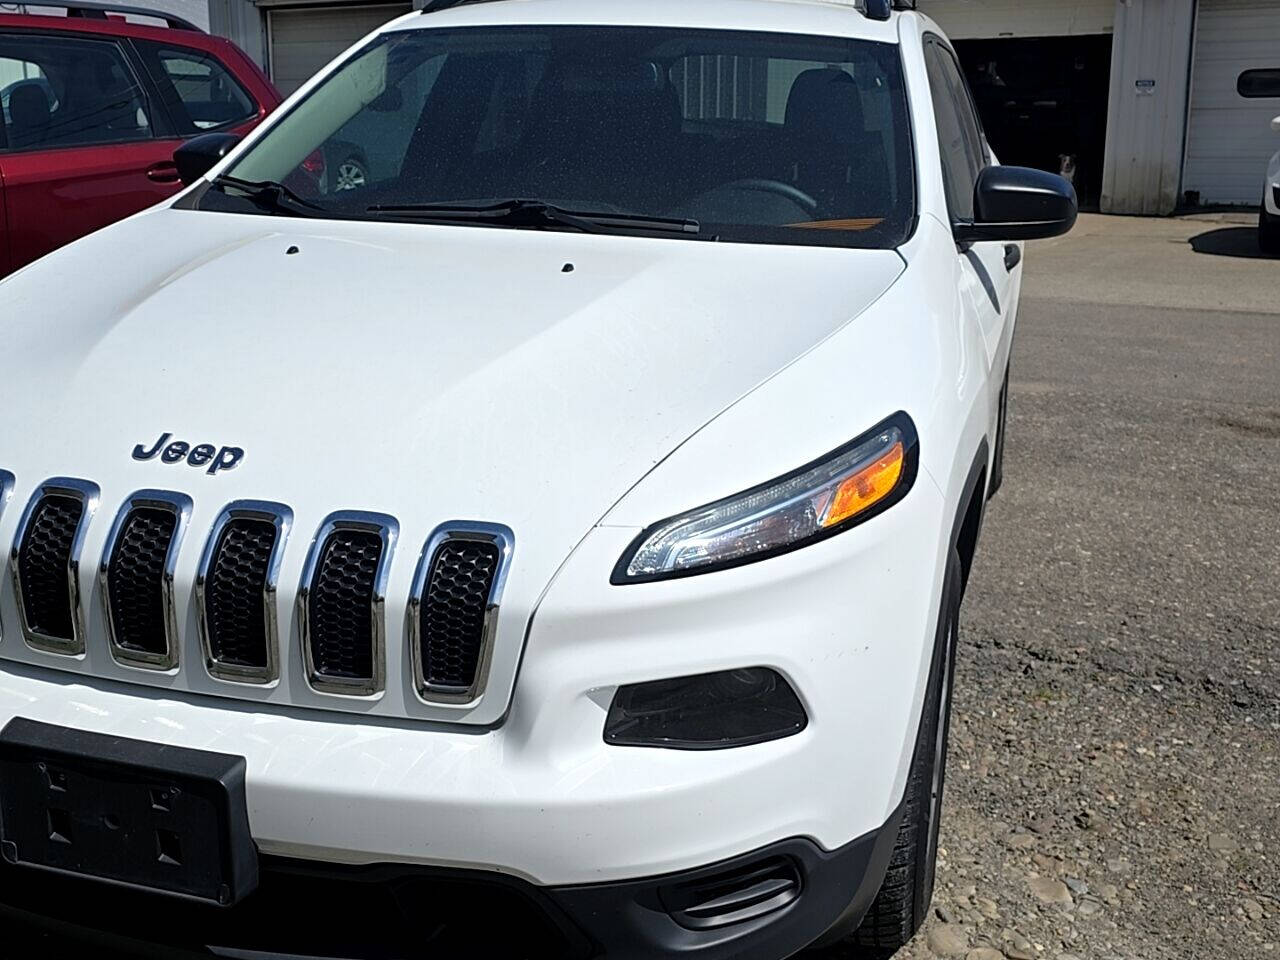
[1018, 203]
[200, 154]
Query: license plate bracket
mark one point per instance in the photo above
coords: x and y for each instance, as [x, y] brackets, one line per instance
[165, 819]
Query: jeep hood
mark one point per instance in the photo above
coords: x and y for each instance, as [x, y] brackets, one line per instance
[431, 373]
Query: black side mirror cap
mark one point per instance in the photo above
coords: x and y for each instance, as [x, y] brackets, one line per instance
[1018, 203]
[200, 154]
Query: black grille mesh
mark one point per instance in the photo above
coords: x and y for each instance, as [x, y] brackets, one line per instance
[453, 612]
[340, 610]
[135, 577]
[42, 564]
[234, 603]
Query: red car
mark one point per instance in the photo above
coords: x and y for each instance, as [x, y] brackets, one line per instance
[93, 108]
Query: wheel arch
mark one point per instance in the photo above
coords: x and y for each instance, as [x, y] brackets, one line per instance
[966, 528]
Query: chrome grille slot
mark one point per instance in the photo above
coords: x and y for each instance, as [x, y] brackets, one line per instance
[453, 610]
[46, 564]
[236, 592]
[342, 604]
[137, 579]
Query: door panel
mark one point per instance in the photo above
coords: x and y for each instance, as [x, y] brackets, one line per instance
[988, 290]
[79, 147]
[987, 271]
[54, 197]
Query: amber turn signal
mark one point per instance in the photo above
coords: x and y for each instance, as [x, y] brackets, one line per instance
[867, 487]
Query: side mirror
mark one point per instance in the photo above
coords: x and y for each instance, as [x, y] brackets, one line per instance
[1275, 125]
[200, 154]
[1018, 203]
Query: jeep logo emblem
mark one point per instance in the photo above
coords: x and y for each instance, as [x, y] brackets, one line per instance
[201, 455]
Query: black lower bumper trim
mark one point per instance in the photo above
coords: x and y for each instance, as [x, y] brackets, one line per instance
[305, 909]
[631, 920]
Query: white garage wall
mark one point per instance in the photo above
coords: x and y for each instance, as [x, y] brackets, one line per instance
[974, 19]
[1148, 106]
[1229, 138]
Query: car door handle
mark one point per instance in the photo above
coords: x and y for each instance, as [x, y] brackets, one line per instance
[164, 172]
[1012, 256]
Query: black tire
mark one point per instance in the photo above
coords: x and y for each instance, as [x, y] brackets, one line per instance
[903, 901]
[1268, 231]
[1002, 423]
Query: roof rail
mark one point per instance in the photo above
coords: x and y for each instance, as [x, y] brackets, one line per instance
[435, 6]
[91, 10]
[883, 9]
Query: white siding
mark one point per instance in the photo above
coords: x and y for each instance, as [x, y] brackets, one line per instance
[1229, 138]
[1148, 106]
[301, 40]
[992, 19]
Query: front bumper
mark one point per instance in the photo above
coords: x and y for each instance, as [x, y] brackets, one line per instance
[541, 801]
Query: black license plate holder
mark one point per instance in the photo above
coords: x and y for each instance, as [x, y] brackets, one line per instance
[166, 819]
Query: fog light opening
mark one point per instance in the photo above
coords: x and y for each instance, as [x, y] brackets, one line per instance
[712, 711]
[739, 896]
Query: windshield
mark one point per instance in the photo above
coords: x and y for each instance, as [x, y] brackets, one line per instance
[734, 136]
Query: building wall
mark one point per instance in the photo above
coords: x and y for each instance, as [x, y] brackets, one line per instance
[1150, 77]
[197, 11]
[993, 19]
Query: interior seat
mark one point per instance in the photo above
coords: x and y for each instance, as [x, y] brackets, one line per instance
[29, 115]
[605, 131]
[833, 157]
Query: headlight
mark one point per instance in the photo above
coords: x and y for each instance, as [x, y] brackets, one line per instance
[847, 487]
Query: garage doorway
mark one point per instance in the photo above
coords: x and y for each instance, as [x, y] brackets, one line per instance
[1044, 101]
[1229, 136]
[301, 40]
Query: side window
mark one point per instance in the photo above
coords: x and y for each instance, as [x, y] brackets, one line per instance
[198, 91]
[68, 92]
[959, 136]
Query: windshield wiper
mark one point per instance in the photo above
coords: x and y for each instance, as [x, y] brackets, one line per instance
[537, 213]
[270, 195]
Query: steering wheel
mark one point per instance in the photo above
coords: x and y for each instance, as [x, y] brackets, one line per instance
[794, 194]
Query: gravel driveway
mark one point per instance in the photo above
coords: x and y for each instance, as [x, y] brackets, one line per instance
[1114, 784]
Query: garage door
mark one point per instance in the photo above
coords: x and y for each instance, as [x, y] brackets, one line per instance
[301, 40]
[993, 19]
[1229, 139]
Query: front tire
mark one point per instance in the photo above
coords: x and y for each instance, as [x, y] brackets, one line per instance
[903, 901]
[1268, 231]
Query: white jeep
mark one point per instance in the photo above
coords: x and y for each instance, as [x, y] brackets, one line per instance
[549, 546]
